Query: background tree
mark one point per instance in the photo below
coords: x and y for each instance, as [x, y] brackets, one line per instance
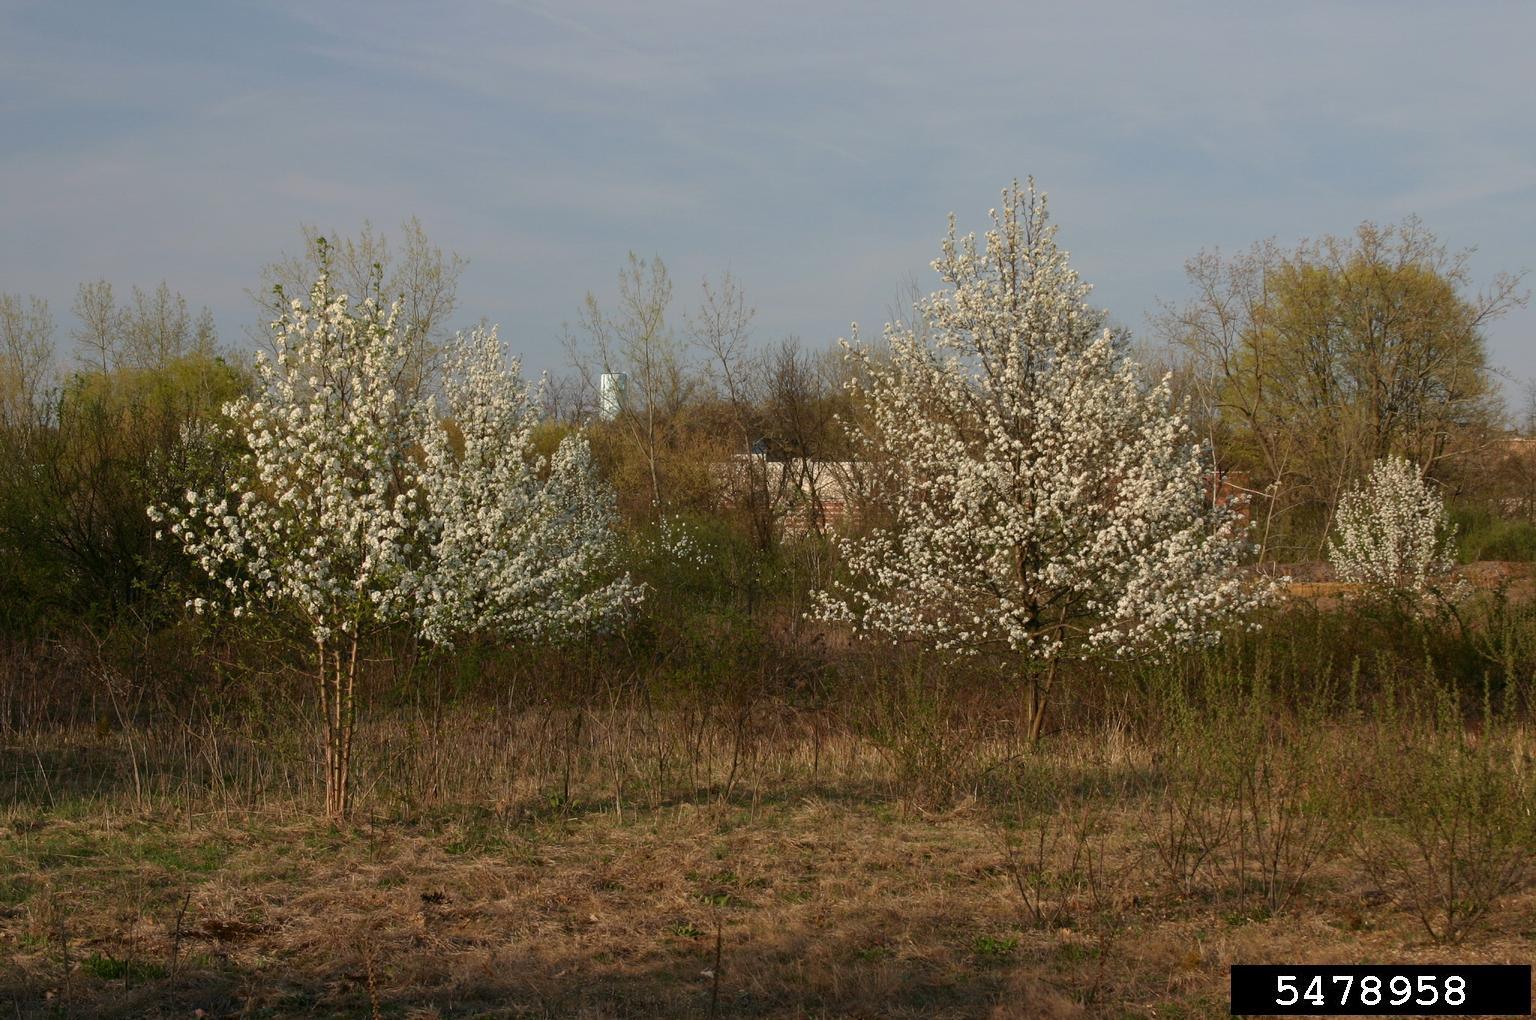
[150, 330]
[411, 271]
[83, 454]
[26, 366]
[119, 441]
[1046, 504]
[803, 403]
[721, 330]
[98, 333]
[1314, 363]
[635, 339]
[26, 357]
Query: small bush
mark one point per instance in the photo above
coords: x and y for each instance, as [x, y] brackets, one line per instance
[1292, 811]
[1252, 787]
[1055, 843]
[989, 947]
[913, 718]
[1455, 820]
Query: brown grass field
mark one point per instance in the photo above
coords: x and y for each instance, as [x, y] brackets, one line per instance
[787, 875]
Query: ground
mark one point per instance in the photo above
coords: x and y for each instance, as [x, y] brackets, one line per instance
[825, 900]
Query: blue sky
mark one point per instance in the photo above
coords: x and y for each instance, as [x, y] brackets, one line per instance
[812, 149]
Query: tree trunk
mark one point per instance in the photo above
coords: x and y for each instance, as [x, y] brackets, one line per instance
[325, 681]
[650, 459]
[337, 681]
[1040, 692]
[348, 724]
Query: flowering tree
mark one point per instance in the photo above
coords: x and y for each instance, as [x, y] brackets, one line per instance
[1391, 531]
[353, 510]
[1046, 503]
[515, 540]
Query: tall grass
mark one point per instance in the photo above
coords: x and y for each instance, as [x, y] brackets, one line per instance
[1364, 737]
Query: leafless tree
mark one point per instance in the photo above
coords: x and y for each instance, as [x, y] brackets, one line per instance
[413, 271]
[26, 356]
[635, 339]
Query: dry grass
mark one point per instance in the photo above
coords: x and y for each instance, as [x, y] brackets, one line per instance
[1322, 589]
[1516, 579]
[500, 877]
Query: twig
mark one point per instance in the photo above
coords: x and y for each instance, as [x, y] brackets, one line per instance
[176, 934]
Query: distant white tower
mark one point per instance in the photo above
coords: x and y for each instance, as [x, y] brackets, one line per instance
[610, 395]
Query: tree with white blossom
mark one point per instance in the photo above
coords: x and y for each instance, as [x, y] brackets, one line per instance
[1045, 503]
[516, 539]
[1391, 532]
[354, 510]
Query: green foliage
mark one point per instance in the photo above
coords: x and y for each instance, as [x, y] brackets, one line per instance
[1340, 657]
[1254, 786]
[1312, 363]
[713, 620]
[1454, 817]
[701, 561]
[1482, 535]
[992, 947]
[912, 719]
[76, 482]
[15, 890]
[110, 968]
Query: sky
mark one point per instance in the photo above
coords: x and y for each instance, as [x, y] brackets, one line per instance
[814, 150]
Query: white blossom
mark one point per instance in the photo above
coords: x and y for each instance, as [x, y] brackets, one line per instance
[1391, 531]
[352, 506]
[1045, 501]
[515, 540]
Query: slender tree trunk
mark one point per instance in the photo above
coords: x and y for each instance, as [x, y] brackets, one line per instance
[650, 459]
[1039, 696]
[335, 735]
[337, 680]
[320, 688]
[326, 682]
[348, 725]
[333, 738]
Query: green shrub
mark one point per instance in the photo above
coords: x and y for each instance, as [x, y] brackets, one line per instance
[1482, 535]
[1252, 783]
[1454, 818]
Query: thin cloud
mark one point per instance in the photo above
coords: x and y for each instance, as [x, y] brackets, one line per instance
[816, 149]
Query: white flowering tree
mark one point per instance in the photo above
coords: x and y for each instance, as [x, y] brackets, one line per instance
[1046, 504]
[1391, 532]
[353, 510]
[515, 541]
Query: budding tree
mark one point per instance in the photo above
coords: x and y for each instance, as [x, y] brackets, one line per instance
[1391, 531]
[1046, 504]
[353, 510]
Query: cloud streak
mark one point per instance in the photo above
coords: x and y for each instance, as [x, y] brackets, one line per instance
[814, 149]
